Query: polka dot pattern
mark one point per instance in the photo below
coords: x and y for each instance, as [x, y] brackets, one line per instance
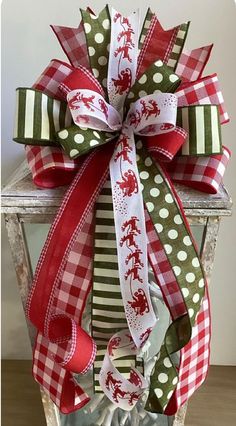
[95, 72]
[143, 79]
[182, 255]
[190, 277]
[154, 192]
[102, 60]
[185, 292]
[144, 175]
[106, 24]
[150, 206]
[173, 234]
[97, 32]
[157, 78]
[164, 379]
[163, 213]
[74, 153]
[158, 392]
[77, 140]
[64, 134]
[195, 262]
[148, 161]
[167, 363]
[175, 381]
[99, 38]
[168, 248]
[87, 28]
[177, 219]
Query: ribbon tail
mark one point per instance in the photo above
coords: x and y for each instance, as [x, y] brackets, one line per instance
[182, 255]
[56, 302]
[58, 383]
[131, 237]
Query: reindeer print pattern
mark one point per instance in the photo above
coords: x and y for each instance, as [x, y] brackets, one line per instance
[125, 38]
[115, 387]
[75, 102]
[148, 108]
[125, 149]
[139, 301]
[85, 104]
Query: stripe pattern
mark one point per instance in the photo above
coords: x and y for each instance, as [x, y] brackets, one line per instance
[178, 45]
[108, 316]
[202, 124]
[39, 117]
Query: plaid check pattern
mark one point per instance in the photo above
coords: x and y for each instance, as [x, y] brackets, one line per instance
[52, 377]
[69, 299]
[192, 63]
[202, 173]
[73, 42]
[163, 271]
[195, 356]
[45, 162]
[202, 92]
[48, 82]
[76, 280]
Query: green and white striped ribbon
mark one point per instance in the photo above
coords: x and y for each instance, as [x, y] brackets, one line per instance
[108, 316]
[178, 45]
[98, 34]
[39, 117]
[202, 123]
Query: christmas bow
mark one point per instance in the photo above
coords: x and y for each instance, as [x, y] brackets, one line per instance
[122, 100]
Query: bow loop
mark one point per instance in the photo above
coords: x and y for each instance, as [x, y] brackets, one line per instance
[71, 346]
[90, 108]
[81, 78]
[153, 114]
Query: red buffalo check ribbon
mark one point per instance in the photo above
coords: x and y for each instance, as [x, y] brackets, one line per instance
[137, 113]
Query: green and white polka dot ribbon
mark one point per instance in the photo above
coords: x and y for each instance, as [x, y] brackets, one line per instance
[97, 31]
[177, 241]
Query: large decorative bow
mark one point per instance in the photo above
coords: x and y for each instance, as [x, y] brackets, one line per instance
[139, 110]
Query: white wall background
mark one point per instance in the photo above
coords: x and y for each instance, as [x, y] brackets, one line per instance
[28, 44]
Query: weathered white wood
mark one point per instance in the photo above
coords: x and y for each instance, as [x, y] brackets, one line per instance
[209, 245]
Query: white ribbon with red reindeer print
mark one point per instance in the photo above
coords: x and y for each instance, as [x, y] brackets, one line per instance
[131, 237]
[123, 57]
[123, 392]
